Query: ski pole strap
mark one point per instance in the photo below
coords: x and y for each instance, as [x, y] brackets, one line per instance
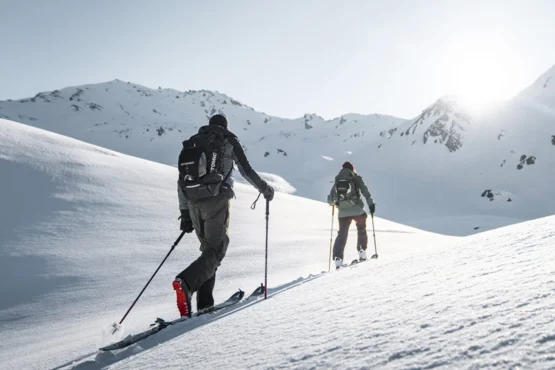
[253, 205]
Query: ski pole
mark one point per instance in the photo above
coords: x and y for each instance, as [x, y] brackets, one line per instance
[331, 234]
[266, 257]
[374, 233]
[152, 277]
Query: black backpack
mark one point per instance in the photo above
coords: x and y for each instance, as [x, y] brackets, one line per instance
[201, 164]
[346, 189]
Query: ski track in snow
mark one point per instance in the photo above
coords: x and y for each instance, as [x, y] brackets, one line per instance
[103, 359]
[483, 303]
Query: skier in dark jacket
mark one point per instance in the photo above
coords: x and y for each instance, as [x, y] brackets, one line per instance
[209, 218]
[346, 195]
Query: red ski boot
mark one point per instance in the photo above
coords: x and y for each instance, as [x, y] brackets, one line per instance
[183, 297]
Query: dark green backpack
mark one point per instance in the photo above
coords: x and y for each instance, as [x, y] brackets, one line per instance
[346, 189]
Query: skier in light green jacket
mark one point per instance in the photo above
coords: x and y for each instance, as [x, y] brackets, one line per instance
[346, 194]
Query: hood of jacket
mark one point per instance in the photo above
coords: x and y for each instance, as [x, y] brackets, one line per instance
[345, 173]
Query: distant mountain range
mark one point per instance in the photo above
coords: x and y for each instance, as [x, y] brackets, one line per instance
[451, 169]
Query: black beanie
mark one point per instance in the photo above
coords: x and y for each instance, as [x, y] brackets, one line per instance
[218, 120]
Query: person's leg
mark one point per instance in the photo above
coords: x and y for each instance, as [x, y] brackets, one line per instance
[212, 217]
[205, 297]
[362, 236]
[341, 239]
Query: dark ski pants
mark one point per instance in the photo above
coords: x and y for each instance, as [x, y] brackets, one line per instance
[343, 233]
[211, 220]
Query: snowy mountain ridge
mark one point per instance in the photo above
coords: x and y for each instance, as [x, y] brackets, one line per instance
[444, 122]
[507, 149]
[542, 91]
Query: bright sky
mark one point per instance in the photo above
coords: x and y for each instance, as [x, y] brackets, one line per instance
[286, 57]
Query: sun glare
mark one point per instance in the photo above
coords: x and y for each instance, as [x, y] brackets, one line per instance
[477, 68]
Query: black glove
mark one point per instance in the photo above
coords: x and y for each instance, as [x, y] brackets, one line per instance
[269, 193]
[186, 222]
[372, 209]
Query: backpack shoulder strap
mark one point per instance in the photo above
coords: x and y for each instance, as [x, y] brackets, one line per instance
[354, 177]
[222, 135]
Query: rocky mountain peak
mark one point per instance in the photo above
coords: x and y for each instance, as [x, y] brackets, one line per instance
[444, 122]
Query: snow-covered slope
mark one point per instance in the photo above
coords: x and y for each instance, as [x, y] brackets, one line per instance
[542, 91]
[450, 169]
[484, 303]
[83, 228]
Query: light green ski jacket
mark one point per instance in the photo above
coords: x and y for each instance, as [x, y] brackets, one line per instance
[350, 208]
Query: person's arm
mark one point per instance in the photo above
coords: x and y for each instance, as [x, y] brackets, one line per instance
[245, 168]
[332, 196]
[364, 190]
[186, 222]
[183, 204]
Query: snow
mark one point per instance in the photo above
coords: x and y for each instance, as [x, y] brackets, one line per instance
[84, 228]
[278, 183]
[485, 302]
[87, 226]
[541, 94]
[434, 166]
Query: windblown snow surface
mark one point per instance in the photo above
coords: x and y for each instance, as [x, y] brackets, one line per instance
[83, 228]
[485, 302]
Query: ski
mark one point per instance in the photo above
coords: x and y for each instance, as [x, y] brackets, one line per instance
[258, 292]
[160, 324]
[355, 261]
